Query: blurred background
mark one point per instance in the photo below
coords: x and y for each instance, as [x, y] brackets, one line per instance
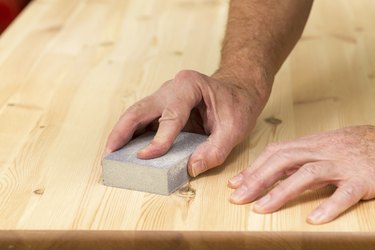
[9, 9]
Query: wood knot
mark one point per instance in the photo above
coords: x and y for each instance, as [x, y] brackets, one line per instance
[106, 43]
[144, 17]
[186, 192]
[177, 53]
[53, 28]
[274, 121]
[39, 191]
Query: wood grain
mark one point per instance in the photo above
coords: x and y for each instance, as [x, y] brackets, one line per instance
[108, 240]
[69, 68]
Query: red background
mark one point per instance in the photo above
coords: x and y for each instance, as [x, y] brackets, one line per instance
[9, 9]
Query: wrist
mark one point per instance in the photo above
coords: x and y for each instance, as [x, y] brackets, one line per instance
[251, 78]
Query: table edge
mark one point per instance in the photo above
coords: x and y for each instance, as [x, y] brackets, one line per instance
[86, 239]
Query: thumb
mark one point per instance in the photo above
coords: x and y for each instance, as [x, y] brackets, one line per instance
[211, 153]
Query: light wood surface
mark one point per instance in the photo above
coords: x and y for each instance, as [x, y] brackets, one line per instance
[68, 69]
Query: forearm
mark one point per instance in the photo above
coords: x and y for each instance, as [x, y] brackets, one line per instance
[260, 34]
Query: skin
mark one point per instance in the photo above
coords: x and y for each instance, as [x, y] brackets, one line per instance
[260, 34]
[344, 158]
[201, 104]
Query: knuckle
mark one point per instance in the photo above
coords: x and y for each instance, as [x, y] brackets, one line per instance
[186, 87]
[133, 113]
[219, 155]
[257, 180]
[311, 170]
[247, 171]
[184, 75]
[171, 114]
[279, 190]
[283, 154]
[349, 192]
[273, 147]
[136, 112]
[137, 107]
[356, 189]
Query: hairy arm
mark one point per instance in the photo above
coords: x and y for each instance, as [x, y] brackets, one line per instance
[260, 35]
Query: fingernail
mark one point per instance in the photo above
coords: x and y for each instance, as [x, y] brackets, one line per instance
[236, 180]
[197, 168]
[238, 195]
[316, 216]
[259, 205]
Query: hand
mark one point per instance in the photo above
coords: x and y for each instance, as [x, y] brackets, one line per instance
[194, 102]
[344, 158]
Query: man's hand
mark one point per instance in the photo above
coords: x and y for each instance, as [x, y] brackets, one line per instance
[258, 38]
[344, 158]
[225, 110]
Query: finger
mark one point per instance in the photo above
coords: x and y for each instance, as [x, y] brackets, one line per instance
[211, 153]
[174, 117]
[309, 175]
[343, 198]
[136, 117]
[276, 167]
[306, 142]
[270, 151]
[238, 179]
[171, 123]
[235, 181]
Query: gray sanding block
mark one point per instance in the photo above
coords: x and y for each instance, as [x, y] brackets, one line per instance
[162, 175]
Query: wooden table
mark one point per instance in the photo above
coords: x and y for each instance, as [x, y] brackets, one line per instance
[69, 68]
